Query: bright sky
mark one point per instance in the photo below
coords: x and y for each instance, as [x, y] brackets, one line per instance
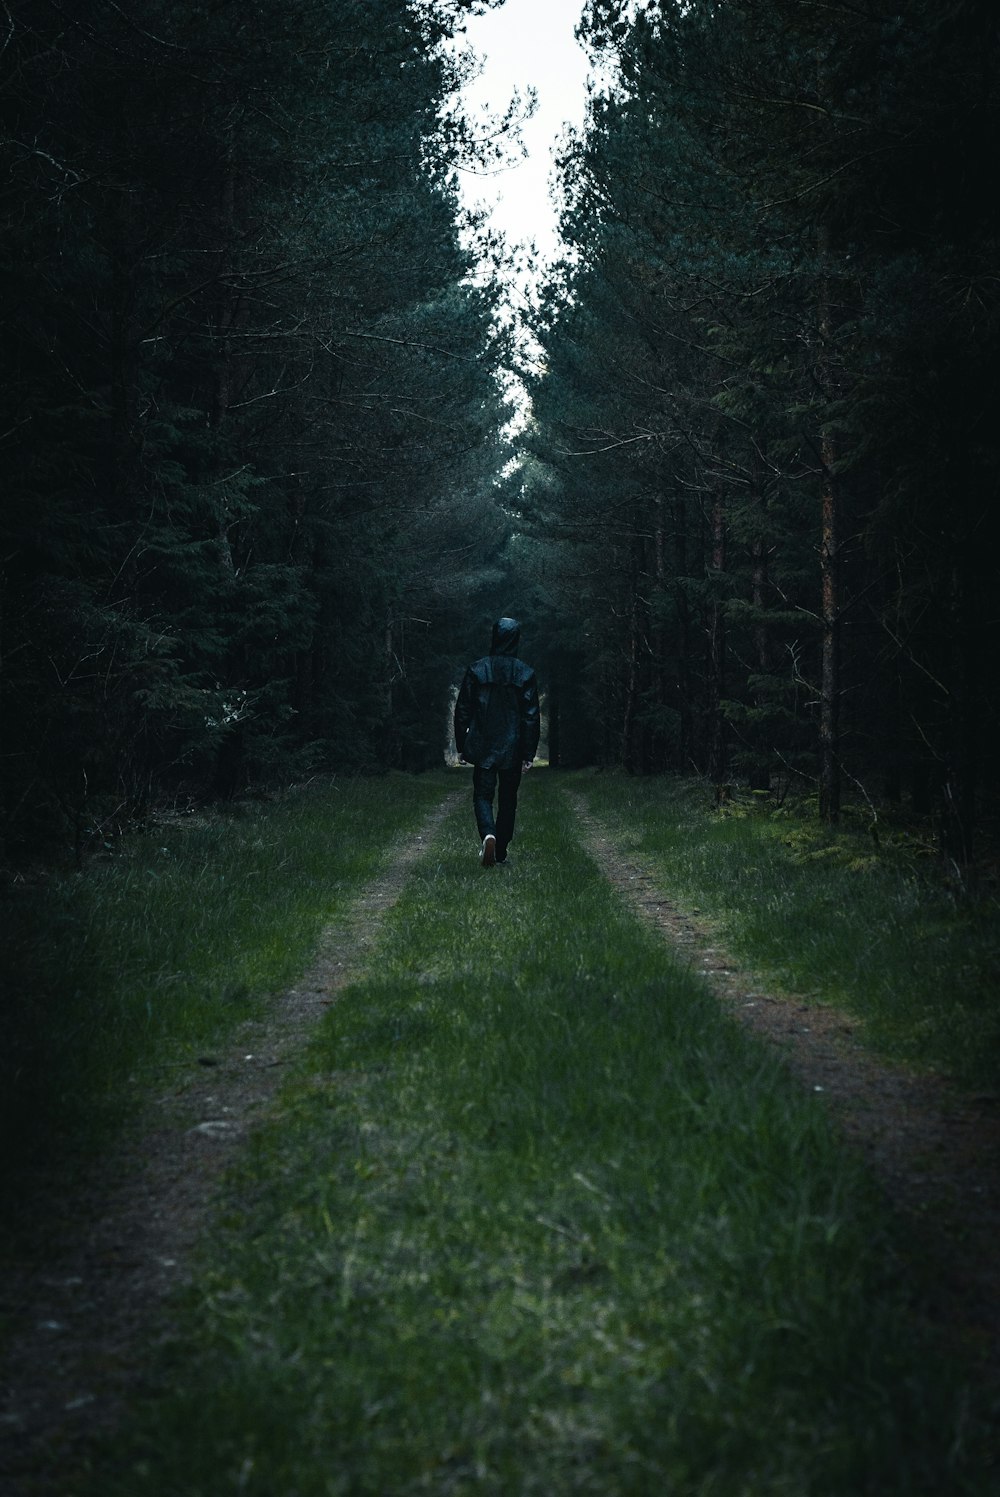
[526, 44]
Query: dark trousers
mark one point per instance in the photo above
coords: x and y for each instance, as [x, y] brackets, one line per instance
[485, 785]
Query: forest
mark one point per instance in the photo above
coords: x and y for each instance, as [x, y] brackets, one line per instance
[261, 488]
[337, 1156]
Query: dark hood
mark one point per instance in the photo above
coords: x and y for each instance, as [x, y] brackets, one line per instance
[506, 637]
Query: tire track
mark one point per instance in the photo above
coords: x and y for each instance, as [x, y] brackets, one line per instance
[87, 1315]
[934, 1150]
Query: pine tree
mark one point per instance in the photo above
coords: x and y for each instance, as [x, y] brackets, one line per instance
[801, 342]
[247, 385]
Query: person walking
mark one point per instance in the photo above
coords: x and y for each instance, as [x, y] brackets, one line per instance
[496, 730]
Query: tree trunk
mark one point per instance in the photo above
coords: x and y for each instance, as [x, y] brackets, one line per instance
[960, 783]
[635, 735]
[829, 718]
[659, 755]
[686, 748]
[760, 771]
[631, 693]
[227, 313]
[829, 552]
[717, 751]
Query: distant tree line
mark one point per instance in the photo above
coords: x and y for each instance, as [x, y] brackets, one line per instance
[249, 411]
[765, 456]
[256, 501]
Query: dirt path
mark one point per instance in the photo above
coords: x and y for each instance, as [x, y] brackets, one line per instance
[935, 1151]
[88, 1313]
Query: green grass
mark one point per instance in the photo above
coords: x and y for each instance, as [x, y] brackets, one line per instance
[534, 1217]
[169, 943]
[828, 916]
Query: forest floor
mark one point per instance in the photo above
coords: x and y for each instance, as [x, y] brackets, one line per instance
[88, 1288]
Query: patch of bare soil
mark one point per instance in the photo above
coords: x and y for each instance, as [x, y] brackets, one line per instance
[934, 1150]
[87, 1312]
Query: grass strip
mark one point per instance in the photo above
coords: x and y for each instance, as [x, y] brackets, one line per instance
[170, 942]
[536, 1218]
[827, 915]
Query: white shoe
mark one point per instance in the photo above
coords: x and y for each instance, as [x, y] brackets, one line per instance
[488, 851]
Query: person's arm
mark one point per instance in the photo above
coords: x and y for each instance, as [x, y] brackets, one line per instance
[530, 719]
[464, 708]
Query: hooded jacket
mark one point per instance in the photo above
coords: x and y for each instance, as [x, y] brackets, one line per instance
[496, 714]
